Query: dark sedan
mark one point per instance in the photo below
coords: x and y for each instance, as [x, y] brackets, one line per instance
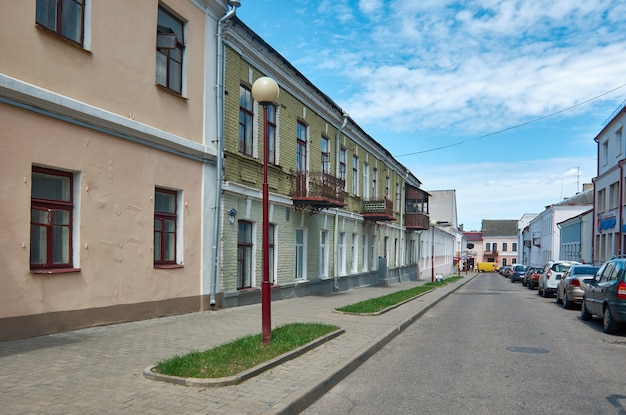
[605, 296]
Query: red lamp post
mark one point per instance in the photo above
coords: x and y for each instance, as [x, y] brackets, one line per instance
[265, 92]
[432, 224]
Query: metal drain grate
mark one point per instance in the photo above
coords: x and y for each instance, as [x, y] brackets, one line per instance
[518, 349]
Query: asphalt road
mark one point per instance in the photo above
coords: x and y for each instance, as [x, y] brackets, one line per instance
[493, 347]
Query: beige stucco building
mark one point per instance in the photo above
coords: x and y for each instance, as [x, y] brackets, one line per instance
[107, 161]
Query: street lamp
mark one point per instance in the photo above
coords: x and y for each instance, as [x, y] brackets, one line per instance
[432, 224]
[265, 92]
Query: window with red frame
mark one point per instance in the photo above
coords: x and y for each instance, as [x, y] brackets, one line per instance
[244, 255]
[165, 227]
[51, 219]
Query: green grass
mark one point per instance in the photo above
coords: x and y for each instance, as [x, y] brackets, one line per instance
[244, 353]
[374, 305]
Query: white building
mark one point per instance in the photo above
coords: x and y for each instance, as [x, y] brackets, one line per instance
[544, 230]
[609, 200]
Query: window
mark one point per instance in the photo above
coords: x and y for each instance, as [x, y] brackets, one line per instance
[488, 247]
[495, 247]
[325, 148]
[618, 141]
[398, 198]
[601, 200]
[342, 165]
[514, 246]
[387, 187]
[355, 175]
[170, 46]
[366, 181]
[271, 133]
[272, 252]
[355, 253]
[614, 196]
[364, 253]
[374, 253]
[244, 255]
[300, 255]
[341, 253]
[604, 156]
[245, 121]
[164, 227]
[301, 147]
[324, 254]
[51, 219]
[504, 246]
[63, 17]
[374, 183]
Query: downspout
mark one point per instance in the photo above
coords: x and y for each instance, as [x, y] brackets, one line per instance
[336, 231]
[621, 205]
[403, 261]
[221, 63]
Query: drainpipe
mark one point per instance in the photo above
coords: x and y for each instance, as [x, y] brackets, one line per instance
[621, 205]
[220, 142]
[337, 173]
[402, 230]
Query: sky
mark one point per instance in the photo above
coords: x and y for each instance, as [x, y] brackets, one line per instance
[499, 100]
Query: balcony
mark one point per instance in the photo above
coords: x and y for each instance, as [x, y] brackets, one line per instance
[416, 221]
[317, 190]
[378, 210]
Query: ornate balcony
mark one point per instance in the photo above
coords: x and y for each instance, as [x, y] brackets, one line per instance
[416, 221]
[378, 210]
[317, 190]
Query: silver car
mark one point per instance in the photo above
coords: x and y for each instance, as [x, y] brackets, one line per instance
[551, 275]
[572, 285]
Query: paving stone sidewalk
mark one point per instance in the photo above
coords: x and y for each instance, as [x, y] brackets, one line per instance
[100, 370]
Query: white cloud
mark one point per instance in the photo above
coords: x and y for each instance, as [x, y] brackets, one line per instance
[502, 190]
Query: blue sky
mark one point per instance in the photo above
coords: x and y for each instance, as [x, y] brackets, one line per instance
[497, 99]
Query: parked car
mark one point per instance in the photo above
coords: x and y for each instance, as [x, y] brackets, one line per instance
[533, 280]
[529, 271]
[571, 287]
[504, 271]
[517, 272]
[605, 296]
[551, 275]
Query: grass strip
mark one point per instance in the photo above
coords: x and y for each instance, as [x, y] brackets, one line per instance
[244, 353]
[374, 305]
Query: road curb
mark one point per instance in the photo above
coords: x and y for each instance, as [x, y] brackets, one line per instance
[300, 400]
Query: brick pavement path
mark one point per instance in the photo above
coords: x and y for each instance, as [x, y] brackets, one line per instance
[99, 370]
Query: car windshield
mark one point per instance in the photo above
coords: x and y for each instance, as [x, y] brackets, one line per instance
[560, 267]
[521, 269]
[584, 270]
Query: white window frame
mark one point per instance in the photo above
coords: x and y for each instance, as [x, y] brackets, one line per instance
[341, 253]
[300, 265]
[324, 254]
[355, 253]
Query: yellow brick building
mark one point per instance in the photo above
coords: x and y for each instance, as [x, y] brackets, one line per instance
[342, 211]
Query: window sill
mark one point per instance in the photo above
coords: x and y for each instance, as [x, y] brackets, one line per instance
[54, 270]
[168, 266]
[171, 91]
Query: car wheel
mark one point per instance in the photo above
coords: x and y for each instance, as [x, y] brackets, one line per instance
[545, 293]
[610, 325]
[558, 299]
[523, 283]
[530, 286]
[585, 315]
[567, 304]
[539, 290]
